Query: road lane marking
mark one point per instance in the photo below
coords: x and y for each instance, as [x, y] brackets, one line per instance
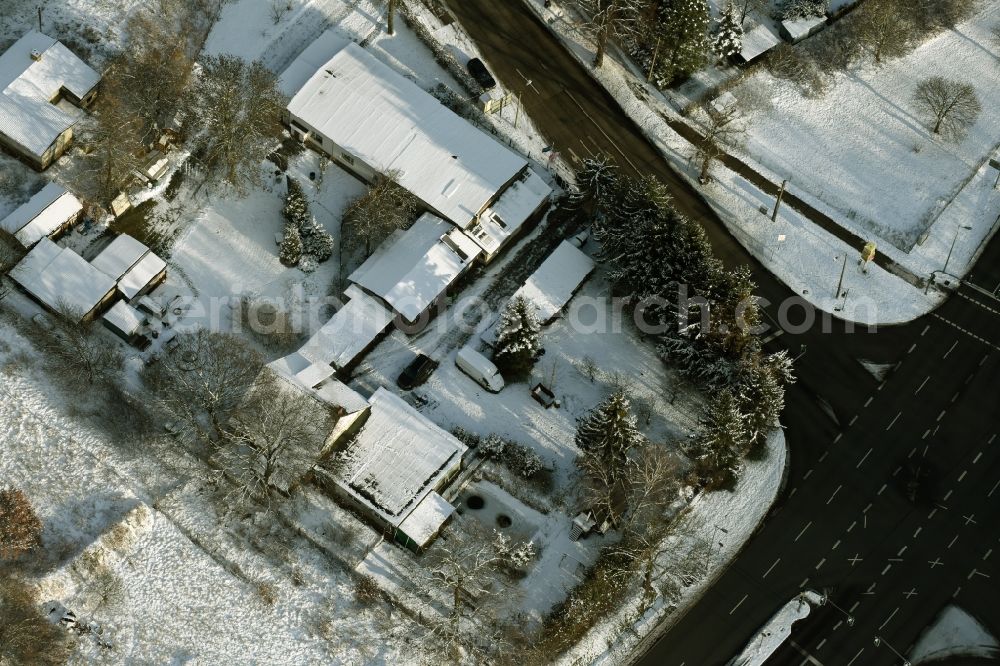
[935, 563]
[950, 349]
[954, 397]
[931, 514]
[852, 526]
[978, 456]
[854, 560]
[941, 415]
[869, 400]
[804, 530]
[838, 544]
[911, 593]
[957, 590]
[871, 589]
[888, 618]
[988, 553]
[926, 379]
[912, 451]
[968, 333]
[866, 509]
[837, 439]
[863, 458]
[855, 657]
[820, 563]
[882, 489]
[901, 551]
[807, 475]
[912, 347]
[887, 567]
[962, 475]
[855, 418]
[771, 567]
[924, 332]
[837, 626]
[823, 457]
[990, 494]
[819, 646]
[834, 493]
[947, 495]
[917, 532]
[739, 604]
[894, 421]
[804, 582]
[952, 543]
[856, 604]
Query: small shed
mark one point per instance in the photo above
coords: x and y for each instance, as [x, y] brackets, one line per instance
[59, 278]
[50, 212]
[425, 522]
[795, 30]
[756, 42]
[124, 321]
[132, 265]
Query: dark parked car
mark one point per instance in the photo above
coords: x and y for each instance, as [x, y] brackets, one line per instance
[417, 372]
[482, 75]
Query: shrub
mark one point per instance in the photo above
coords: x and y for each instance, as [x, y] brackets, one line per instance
[366, 590]
[20, 527]
[518, 457]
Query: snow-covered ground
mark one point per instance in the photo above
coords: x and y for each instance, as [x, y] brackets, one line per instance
[797, 251]
[722, 522]
[954, 634]
[777, 630]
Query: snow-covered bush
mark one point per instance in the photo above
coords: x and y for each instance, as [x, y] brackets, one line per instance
[518, 457]
[290, 252]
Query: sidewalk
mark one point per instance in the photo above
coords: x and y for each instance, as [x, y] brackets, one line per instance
[807, 245]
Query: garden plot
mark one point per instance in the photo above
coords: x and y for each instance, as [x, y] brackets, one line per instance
[864, 148]
[229, 249]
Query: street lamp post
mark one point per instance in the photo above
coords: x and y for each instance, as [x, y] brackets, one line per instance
[827, 600]
[880, 641]
[952, 248]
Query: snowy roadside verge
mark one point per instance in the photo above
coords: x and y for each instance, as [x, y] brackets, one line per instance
[772, 635]
[799, 253]
[724, 520]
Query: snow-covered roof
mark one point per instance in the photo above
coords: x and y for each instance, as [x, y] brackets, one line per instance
[42, 214]
[397, 458]
[130, 264]
[140, 275]
[390, 123]
[28, 86]
[349, 332]
[59, 277]
[795, 30]
[426, 520]
[317, 378]
[117, 258]
[317, 54]
[505, 217]
[758, 40]
[123, 317]
[412, 269]
[552, 286]
[298, 368]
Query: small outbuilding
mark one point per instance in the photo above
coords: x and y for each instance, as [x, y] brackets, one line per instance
[352, 331]
[795, 30]
[50, 212]
[124, 321]
[43, 87]
[61, 280]
[134, 268]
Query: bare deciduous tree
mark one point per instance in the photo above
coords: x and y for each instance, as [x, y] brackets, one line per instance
[951, 106]
[884, 28]
[20, 527]
[385, 207]
[612, 19]
[744, 7]
[75, 350]
[274, 438]
[203, 382]
[721, 129]
[233, 115]
[468, 564]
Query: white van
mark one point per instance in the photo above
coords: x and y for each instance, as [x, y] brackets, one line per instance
[480, 369]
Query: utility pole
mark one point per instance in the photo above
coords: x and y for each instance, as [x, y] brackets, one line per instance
[952, 248]
[39, 19]
[840, 283]
[777, 204]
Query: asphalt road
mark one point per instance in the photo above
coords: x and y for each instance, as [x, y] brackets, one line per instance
[846, 522]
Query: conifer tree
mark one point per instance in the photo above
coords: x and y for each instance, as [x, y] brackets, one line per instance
[315, 240]
[723, 441]
[296, 209]
[609, 431]
[290, 252]
[683, 29]
[729, 35]
[518, 339]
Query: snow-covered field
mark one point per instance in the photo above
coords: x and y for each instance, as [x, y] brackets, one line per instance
[864, 148]
[801, 254]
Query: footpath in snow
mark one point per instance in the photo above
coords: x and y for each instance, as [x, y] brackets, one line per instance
[807, 258]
